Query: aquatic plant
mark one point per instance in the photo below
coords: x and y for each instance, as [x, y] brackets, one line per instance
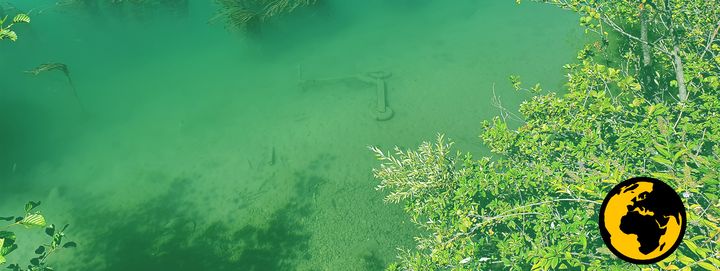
[533, 206]
[6, 31]
[29, 220]
[58, 67]
[246, 15]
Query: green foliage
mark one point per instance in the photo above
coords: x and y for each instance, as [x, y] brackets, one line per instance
[517, 85]
[29, 220]
[6, 31]
[534, 205]
[669, 39]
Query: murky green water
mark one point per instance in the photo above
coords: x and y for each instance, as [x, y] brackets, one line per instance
[198, 149]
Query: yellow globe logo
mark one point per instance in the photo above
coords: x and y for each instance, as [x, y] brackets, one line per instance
[642, 220]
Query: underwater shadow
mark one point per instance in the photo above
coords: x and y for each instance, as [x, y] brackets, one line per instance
[25, 136]
[372, 261]
[166, 234]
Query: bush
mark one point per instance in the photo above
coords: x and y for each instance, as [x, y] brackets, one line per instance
[533, 205]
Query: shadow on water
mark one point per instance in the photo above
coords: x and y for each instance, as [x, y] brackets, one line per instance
[28, 138]
[372, 261]
[16, 138]
[167, 233]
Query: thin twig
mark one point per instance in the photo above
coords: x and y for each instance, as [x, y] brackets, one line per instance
[712, 39]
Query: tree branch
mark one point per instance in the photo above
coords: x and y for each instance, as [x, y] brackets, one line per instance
[711, 40]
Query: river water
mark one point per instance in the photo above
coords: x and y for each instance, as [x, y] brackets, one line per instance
[190, 146]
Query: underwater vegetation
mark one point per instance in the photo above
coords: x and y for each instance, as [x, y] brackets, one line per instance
[173, 235]
[58, 67]
[643, 101]
[248, 15]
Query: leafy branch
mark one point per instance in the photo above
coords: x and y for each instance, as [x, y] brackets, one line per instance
[29, 220]
[6, 31]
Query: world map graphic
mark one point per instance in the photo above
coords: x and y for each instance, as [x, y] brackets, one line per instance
[642, 220]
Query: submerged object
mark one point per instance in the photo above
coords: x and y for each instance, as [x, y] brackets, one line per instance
[60, 67]
[271, 156]
[382, 111]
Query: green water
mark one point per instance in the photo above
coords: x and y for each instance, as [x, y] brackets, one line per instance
[198, 150]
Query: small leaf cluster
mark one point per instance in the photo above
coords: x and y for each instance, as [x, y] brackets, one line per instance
[32, 219]
[6, 31]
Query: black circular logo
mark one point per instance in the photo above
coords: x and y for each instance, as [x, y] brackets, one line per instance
[642, 220]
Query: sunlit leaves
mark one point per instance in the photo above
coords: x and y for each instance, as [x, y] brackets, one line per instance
[8, 34]
[6, 31]
[7, 244]
[617, 119]
[33, 220]
[8, 240]
[515, 81]
[31, 205]
[21, 18]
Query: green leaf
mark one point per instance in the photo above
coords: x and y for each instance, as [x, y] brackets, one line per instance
[40, 250]
[663, 176]
[662, 160]
[31, 205]
[662, 149]
[678, 154]
[8, 238]
[21, 18]
[538, 265]
[50, 230]
[33, 220]
[695, 249]
[685, 259]
[8, 249]
[7, 33]
[70, 245]
[714, 261]
[707, 266]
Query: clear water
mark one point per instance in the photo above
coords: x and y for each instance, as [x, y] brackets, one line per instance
[198, 150]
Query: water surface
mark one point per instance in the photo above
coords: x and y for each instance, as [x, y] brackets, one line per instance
[198, 150]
